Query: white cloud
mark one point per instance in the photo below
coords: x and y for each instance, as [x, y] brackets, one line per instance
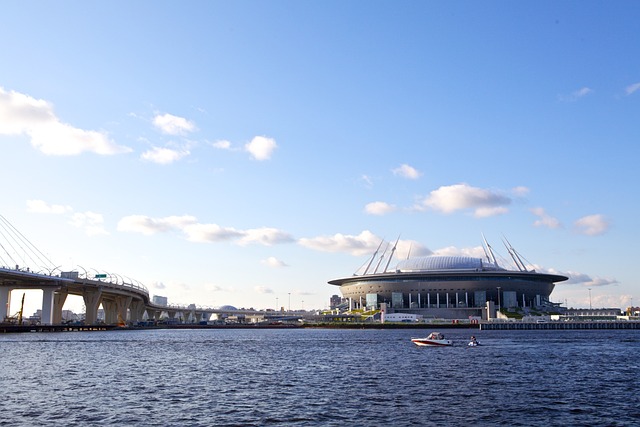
[261, 147]
[173, 125]
[158, 285]
[163, 156]
[476, 252]
[485, 212]
[364, 243]
[263, 290]
[92, 223]
[222, 144]
[210, 233]
[448, 199]
[197, 232]
[632, 88]
[273, 262]
[379, 208]
[40, 206]
[544, 219]
[592, 225]
[368, 182]
[21, 114]
[266, 236]
[520, 191]
[406, 171]
[575, 95]
[148, 226]
[577, 278]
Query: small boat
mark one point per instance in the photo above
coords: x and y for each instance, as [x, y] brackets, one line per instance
[435, 339]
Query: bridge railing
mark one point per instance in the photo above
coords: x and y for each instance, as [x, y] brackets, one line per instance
[110, 280]
[123, 285]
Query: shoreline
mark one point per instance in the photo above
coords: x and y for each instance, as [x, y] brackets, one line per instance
[484, 326]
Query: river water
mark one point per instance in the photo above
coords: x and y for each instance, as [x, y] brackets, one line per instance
[319, 377]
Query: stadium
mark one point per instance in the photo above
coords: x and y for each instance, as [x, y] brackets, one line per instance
[449, 286]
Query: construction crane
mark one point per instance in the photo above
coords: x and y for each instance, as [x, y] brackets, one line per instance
[17, 318]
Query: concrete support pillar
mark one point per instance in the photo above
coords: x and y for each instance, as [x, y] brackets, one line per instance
[136, 311]
[58, 302]
[153, 314]
[91, 303]
[110, 312]
[466, 299]
[122, 306]
[428, 300]
[5, 294]
[171, 314]
[47, 306]
[447, 296]
[438, 300]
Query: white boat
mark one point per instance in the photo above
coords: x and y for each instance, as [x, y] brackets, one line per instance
[474, 342]
[434, 339]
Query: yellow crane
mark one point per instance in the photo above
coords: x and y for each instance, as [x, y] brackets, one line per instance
[17, 318]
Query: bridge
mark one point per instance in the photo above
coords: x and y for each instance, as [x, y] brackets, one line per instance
[123, 302]
[123, 299]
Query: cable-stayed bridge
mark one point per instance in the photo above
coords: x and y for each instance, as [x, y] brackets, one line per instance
[124, 300]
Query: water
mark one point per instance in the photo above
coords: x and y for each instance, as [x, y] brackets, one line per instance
[319, 377]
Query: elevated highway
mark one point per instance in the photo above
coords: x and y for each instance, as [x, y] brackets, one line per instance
[119, 299]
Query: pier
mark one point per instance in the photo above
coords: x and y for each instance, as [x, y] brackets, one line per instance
[514, 326]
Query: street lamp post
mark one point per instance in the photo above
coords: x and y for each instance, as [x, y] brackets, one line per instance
[590, 299]
[277, 309]
[289, 301]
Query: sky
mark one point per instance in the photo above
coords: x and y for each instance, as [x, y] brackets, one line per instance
[246, 152]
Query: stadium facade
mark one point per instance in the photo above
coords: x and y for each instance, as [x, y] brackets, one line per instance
[449, 286]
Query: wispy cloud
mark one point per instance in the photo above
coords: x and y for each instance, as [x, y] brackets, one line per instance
[575, 95]
[173, 125]
[40, 206]
[632, 88]
[222, 144]
[544, 219]
[364, 243]
[261, 148]
[407, 171]
[164, 155]
[90, 222]
[577, 278]
[457, 197]
[21, 114]
[273, 262]
[379, 208]
[592, 225]
[204, 233]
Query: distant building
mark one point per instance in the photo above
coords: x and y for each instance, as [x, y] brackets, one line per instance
[158, 300]
[447, 286]
[335, 301]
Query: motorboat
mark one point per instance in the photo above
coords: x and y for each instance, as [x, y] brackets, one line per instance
[434, 339]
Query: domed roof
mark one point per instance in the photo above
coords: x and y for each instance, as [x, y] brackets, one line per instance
[436, 262]
[227, 307]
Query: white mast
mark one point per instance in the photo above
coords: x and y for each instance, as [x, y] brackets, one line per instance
[381, 258]
[373, 257]
[490, 256]
[514, 255]
[391, 256]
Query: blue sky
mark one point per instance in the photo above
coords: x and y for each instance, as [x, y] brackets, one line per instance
[247, 152]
